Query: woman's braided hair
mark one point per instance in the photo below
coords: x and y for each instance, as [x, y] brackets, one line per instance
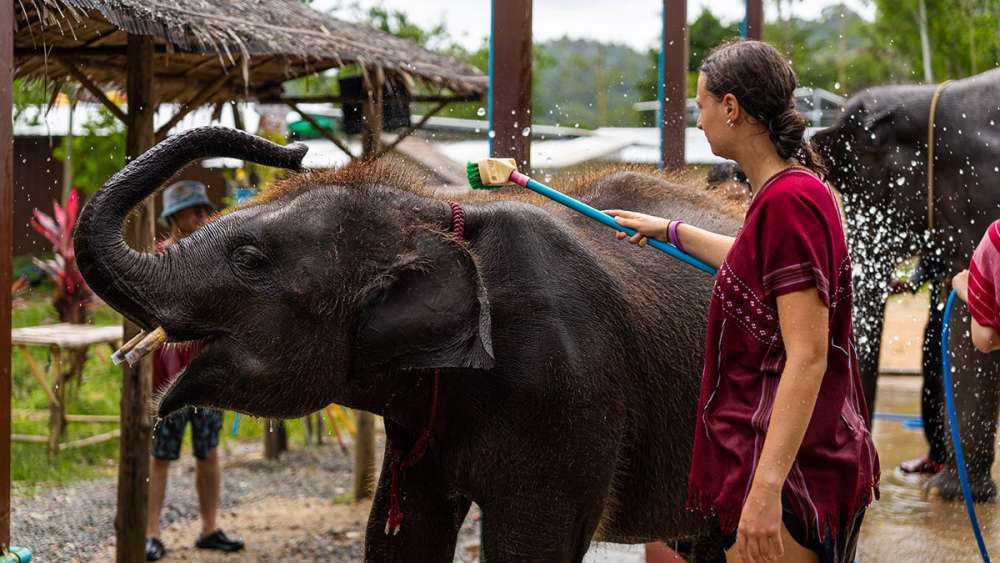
[764, 84]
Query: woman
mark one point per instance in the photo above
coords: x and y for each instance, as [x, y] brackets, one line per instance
[977, 286]
[782, 454]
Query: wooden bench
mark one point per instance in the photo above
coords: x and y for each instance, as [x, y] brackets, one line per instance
[60, 339]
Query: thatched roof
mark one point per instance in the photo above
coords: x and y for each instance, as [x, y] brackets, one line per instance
[256, 43]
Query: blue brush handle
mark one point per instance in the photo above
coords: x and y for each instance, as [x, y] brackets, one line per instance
[608, 220]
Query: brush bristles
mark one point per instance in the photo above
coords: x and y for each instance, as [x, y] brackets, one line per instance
[475, 180]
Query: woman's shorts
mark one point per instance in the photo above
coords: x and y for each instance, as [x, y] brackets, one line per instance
[168, 432]
[838, 549]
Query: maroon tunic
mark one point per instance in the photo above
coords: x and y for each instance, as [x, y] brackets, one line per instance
[791, 239]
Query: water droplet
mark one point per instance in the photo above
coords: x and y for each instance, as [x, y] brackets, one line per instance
[481, 112]
[492, 133]
[526, 131]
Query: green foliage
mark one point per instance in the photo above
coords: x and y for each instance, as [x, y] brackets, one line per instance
[28, 93]
[98, 153]
[964, 35]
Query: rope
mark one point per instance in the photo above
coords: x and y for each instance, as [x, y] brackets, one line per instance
[394, 520]
[956, 439]
[930, 153]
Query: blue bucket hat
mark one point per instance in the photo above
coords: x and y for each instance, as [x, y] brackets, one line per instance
[182, 195]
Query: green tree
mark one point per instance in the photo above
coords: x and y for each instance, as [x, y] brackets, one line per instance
[98, 153]
[963, 35]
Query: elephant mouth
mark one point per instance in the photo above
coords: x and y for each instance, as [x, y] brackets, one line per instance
[178, 391]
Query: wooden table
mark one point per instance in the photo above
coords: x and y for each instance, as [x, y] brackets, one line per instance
[63, 338]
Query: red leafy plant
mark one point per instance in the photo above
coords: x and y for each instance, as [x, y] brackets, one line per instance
[71, 295]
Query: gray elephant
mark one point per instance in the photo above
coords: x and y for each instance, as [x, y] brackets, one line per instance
[878, 154]
[551, 373]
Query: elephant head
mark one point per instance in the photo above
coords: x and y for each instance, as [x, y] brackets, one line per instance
[309, 295]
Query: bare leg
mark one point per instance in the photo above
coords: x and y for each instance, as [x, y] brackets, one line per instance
[208, 477]
[158, 469]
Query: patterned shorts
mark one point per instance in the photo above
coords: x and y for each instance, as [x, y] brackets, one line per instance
[168, 432]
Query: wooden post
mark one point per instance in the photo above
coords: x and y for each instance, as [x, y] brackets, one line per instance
[510, 82]
[134, 448]
[364, 456]
[364, 442]
[753, 24]
[275, 438]
[673, 84]
[371, 111]
[57, 408]
[6, 234]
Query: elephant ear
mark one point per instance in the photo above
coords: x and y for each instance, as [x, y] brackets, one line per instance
[893, 124]
[431, 311]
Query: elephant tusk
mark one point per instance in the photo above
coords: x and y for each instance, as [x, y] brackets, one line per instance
[146, 346]
[119, 356]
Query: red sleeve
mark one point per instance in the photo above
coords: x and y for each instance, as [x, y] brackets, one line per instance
[795, 239]
[984, 274]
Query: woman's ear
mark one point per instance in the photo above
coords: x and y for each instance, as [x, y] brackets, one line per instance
[732, 108]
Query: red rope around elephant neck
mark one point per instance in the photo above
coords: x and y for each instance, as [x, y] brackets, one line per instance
[394, 521]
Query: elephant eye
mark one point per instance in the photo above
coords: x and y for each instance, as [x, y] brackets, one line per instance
[249, 258]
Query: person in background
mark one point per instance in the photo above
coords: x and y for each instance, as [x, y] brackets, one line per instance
[185, 209]
[977, 286]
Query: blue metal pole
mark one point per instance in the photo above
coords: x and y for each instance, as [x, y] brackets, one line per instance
[661, 110]
[489, 86]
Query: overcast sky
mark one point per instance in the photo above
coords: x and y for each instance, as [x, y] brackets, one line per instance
[633, 22]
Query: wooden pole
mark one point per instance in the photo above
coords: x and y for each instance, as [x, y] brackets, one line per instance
[133, 465]
[6, 234]
[510, 82]
[371, 110]
[753, 25]
[364, 456]
[673, 84]
[364, 441]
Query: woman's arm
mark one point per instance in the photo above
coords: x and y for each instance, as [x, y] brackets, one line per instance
[804, 327]
[706, 246]
[984, 338]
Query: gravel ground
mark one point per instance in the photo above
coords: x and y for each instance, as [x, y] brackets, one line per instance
[75, 522]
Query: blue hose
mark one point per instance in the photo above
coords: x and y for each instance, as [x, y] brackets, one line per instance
[956, 439]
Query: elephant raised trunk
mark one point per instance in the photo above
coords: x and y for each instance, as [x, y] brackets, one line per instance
[122, 276]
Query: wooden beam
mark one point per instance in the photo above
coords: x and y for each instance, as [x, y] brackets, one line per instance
[319, 128]
[37, 373]
[673, 90]
[92, 440]
[409, 130]
[195, 102]
[510, 82]
[134, 443]
[57, 409]
[30, 438]
[361, 99]
[753, 25]
[94, 89]
[6, 239]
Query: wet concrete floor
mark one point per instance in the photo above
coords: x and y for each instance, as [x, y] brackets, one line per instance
[906, 525]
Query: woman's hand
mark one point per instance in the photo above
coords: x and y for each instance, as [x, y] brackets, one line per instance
[960, 283]
[645, 226]
[758, 536]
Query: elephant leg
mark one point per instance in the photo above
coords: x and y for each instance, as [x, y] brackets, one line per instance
[548, 528]
[932, 396]
[976, 388]
[433, 515]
